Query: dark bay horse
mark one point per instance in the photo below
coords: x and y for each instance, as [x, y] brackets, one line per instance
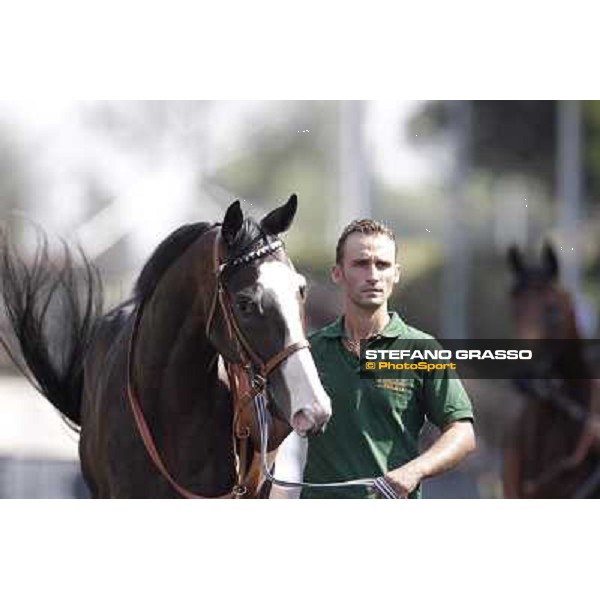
[158, 386]
[553, 451]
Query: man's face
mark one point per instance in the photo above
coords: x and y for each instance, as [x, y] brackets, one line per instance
[368, 271]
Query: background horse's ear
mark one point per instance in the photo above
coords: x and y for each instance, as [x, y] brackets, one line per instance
[280, 219]
[549, 261]
[232, 223]
[515, 260]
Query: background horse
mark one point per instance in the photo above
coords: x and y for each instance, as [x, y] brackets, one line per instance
[146, 383]
[552, 451]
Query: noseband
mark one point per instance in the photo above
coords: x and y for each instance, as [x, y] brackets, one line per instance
[248, 378]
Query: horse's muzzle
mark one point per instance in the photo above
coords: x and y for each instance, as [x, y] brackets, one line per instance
[310, 420]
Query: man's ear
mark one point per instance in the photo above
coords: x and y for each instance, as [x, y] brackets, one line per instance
[336, 274]
[396, 273]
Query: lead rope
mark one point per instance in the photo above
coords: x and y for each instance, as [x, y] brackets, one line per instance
[379, 484]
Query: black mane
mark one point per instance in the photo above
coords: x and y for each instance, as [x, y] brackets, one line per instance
[177, 242]
[249, 234]
[161, 259]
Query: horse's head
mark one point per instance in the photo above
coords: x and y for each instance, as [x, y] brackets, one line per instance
[261, 317]
[542, 309]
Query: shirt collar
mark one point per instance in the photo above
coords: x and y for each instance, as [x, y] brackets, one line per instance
[396, 327]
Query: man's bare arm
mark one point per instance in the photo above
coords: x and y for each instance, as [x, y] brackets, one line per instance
[455, 443]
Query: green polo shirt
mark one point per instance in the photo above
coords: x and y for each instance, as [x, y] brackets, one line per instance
[376, 423]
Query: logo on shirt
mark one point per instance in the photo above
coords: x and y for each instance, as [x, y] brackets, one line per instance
[392, 385]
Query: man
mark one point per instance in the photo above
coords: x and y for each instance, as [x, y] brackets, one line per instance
[375, 425]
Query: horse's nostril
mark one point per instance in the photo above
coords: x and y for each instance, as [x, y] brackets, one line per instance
[303, 422]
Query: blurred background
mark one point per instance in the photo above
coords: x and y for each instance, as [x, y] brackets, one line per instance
[457, 181]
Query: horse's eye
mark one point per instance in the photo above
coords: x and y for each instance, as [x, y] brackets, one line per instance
[245, 306]
[302, 291]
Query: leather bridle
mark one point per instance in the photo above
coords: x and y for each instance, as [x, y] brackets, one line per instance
[248, 383]
[247, 378]
[249, 359]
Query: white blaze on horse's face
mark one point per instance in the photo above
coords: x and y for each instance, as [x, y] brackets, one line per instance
[310, 406]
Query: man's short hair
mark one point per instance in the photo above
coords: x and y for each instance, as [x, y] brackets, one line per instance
[365, 226]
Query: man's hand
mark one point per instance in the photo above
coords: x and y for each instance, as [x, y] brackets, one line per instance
[404, 479]
[457, 440]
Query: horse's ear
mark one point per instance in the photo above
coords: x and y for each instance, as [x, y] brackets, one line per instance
[232, 223]
[280, 219]
[550, 261]
[515, 260]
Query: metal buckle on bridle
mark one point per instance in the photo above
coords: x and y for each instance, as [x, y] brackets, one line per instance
[258, 381]
[239, 490]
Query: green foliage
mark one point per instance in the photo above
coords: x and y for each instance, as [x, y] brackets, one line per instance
[516, 137]
[591, 111]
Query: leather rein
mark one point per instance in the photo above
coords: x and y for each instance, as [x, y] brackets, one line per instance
[247, 378]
